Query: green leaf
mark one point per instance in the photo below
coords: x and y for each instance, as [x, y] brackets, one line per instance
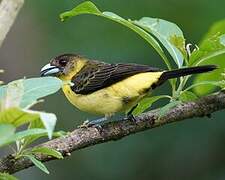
[169, 34]
[39, 124]
[6, 176]
[89, 8]
[220, 84]
[84, 8]
[210, 48]
[211, 45]
[60, 133]
[17, 116]
[146, 103]
[36, 88]
[38, 163]
[34, 124]
[212, 51]
[222, 39]
[47, 151]
[25, 92]
[165, 109]
[2, 92]
[187, 96]
[6, 131]
[21, 135]
[215, 76]
[48, 120]
[13, 94]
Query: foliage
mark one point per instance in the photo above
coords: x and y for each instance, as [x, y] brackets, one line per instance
[162, 34]
[211, 51]
[6, 176]
[17, 97]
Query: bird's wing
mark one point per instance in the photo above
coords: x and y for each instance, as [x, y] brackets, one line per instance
[95, 76]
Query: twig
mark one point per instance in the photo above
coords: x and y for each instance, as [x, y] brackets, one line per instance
[81, 138]
[8, 12]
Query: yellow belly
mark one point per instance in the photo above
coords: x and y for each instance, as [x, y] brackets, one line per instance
[118, 97]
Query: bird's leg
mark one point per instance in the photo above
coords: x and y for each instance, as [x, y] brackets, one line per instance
[130, 116]
[98, 122]
[95, 123]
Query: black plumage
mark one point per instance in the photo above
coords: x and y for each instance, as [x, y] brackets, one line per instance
[97, 75]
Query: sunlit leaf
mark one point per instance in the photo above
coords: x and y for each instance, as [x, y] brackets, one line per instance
[48, 120]
[210, 48]
[84, 8]
[220, 84]
[34, 124]
[211, 45]
[6, 131]
[24, 92]
[89, 8]
[2, 92]
[36, 88]
[187, 96]
[47, 151]
[165, 109]
[212, 51]
[14, 94]
[169, 34]
[39, 124]
[60, 133]
[38, 163]
[20, 135]
[146, 103]
[222, 39]
[17, 116]
[6, 176]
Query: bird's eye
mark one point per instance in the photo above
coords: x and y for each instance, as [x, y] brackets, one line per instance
[63, 62]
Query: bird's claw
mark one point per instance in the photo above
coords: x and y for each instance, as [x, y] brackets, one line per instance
[87, 124]
[131, 118]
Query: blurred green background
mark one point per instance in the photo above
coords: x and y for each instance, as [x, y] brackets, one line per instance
[193, 149]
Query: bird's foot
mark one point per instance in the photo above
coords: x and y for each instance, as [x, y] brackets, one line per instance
[85, 124]
[132, 118]
[97, 123]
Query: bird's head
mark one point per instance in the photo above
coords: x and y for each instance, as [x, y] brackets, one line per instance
[64, 66]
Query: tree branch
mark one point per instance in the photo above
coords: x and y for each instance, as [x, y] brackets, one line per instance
[8, 12]
[81, 138]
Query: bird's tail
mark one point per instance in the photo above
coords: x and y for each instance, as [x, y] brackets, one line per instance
[184, 72]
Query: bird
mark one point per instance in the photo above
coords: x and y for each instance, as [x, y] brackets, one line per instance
[103, 88]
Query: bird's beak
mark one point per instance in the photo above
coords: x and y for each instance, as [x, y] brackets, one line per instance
[49, 70]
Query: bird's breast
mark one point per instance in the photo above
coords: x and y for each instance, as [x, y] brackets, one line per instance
[120, 96]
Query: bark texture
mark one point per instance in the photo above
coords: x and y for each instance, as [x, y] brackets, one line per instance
[81, 138]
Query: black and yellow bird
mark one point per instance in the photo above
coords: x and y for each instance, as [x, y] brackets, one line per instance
[103, 88]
